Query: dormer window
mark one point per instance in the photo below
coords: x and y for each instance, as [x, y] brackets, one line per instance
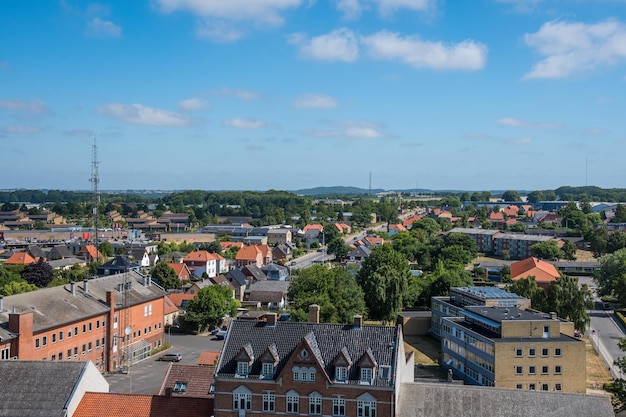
[367, 374]
[268, 370]
[341, 373]
[242, 368]
[385, 372]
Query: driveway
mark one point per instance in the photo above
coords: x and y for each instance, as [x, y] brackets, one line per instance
[146, 376]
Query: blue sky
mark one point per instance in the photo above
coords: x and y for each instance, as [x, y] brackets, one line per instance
[289, 94]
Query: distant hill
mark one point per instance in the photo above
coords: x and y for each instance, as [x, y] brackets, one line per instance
[336, 190]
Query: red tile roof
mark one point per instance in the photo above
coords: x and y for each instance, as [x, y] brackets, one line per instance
[181, 270]
[178, 298]
[248, 253]
[169, 306]
[208, 358]
[201, 255]
[198, 379]
[496, 216]
[544, 272]
[313, 227]
[105, 404]
[20, 258]
[228, 245]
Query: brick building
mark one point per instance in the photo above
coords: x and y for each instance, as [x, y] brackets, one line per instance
[111, 321]
[273, 367]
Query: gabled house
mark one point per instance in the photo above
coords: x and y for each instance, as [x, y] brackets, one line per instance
[58, 252]
[37, 252]
[90, 254]
[271, 295]
[358, 254]
[544, 272]
[395, 228]
[254, 273]
[281, 367]
[279, 236]
[249, 255]
[181, 270]
[203, 262]
[239, 281]
[20, 258]
[140, 256]
[282, 252]
[31, 388]
[140, 405]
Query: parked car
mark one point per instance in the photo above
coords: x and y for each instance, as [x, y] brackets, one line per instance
[171, 357]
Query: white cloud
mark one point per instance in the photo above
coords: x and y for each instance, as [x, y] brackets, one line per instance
[315, 101]
[192, 104]
[143, 115]
[388, 7]
[237, 93]
[574, 47]
[512, 121]
[79, 133]
[103, 28]
[351, 9]
[522, 6]
[338, 45]
[220, 18]
[245, 124]
[32, 106]
[21, 130]
[466, 55]
[350, 129]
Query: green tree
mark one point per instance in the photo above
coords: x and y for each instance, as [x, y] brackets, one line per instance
[165, 276]
[438, 283]
[535, 196]
[569, 301]
[38, 273]
[335, 290]
[547, 250]
[620, 214]
[338, 247]
[528, 288]
[16, 287]
[511, 195]
[569, 250]
[598, 241]
[430, 226]
[611, 277]
[616, 241]
[214, 247]
[106, 249]
[210, 306]
[384, 279]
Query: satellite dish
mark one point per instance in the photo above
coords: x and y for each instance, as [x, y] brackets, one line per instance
[127, 331]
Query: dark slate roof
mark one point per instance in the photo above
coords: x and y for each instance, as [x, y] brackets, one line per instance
[255, 271]
[62, 251]
[61, 263]
[37, 388]
[237, 276]
[120, 262]
[444, 399]
[327, 341]
[360, 252]
[36, 251]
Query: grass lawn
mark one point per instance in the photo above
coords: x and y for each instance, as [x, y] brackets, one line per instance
[597, 372]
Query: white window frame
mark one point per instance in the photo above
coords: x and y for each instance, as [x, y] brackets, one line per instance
[269, 402]
[366, 408]
[339, 407]
[293, 403]
[242, 398]
[268, 370]
[242, 368]
[341, 373]
[367, 375]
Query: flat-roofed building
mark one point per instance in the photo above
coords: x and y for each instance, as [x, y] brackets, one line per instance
[507, 347]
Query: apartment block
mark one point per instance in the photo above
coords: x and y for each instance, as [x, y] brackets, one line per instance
[506, 347]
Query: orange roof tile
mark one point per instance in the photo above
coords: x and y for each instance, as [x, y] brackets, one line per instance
[544, 272]
[248, 253]
[496, 216]
[228, 245]
[20, 258]
[169, 306]
[199, 380]
[313, 227]
[181, 270]
[178, 298]
[106, 404]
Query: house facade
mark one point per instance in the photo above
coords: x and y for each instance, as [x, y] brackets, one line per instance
[273, 367]
[112, 321]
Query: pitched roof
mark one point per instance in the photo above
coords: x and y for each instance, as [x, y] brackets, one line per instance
[38, 388]
[496, 216]
[181, 270]
[329, 341]
[208, 358]
[179, 298]
[134, 405]
[542, 271]
[248, 253]
[199, 380]
[237, 276]
[169, 307]
[200, 255]
[92, 251]
[228, 245]
[20, 258]
[254, 271]
[36, 251]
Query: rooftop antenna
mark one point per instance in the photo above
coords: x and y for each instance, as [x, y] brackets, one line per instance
[95, 180]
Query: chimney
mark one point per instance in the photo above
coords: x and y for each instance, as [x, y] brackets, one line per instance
[450, 377]
[553, 315]
[73, 288]
[168, 392]
[358, 321]
[270, 319]
[86, 286]
[314, 314]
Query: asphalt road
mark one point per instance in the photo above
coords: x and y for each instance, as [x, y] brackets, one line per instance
[146, 376]
[604, 331]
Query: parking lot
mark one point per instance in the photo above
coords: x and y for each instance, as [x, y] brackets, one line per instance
[146, 376]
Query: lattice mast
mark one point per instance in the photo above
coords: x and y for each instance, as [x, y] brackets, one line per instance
[95, 181]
